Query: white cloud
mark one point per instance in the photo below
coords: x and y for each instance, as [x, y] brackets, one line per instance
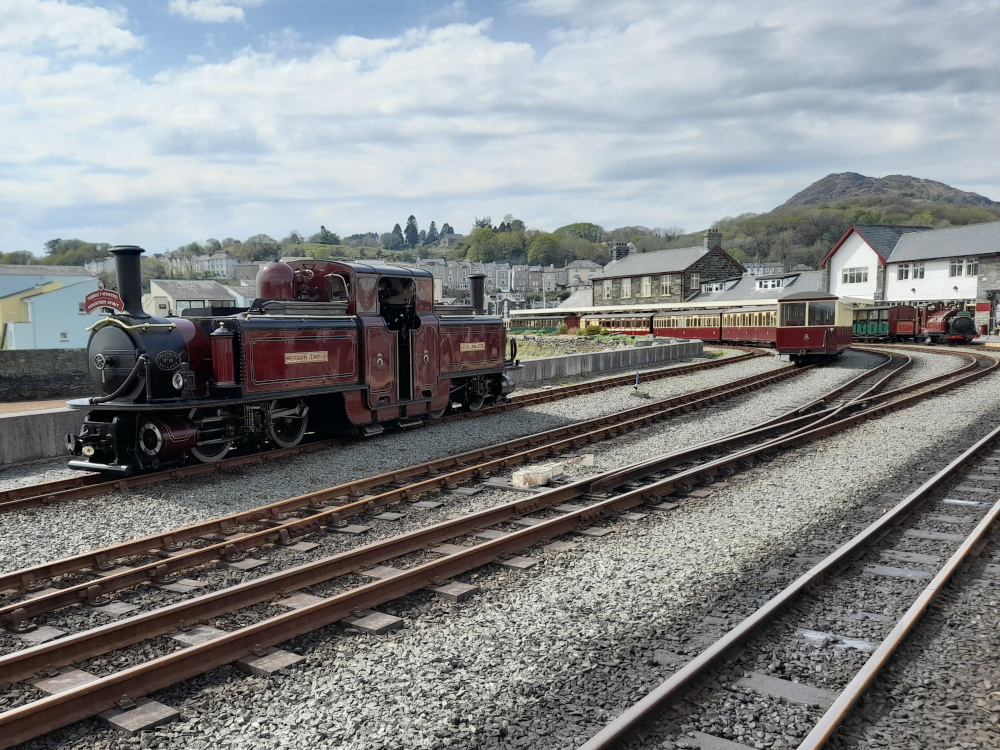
[32, 24]
[213, 11]
[636, 113]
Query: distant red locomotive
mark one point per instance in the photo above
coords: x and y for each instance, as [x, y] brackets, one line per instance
[328, 347]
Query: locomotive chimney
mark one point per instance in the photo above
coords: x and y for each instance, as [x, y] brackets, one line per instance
[478, 282]
[129, 278]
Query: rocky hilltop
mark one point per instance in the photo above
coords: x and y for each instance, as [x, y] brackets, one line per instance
[850, 186]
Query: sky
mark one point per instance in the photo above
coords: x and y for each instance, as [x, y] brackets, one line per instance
[162, 122]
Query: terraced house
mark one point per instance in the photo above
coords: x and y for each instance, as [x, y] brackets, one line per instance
[665, 276]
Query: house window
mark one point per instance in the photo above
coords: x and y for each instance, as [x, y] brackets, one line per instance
[718, 286]
[854, 275]
[955, 267]
[903, 271]
[607, 289]
[665, 286]
[769, 283]
[918, 270]
[647, 286]
[695, 280]
[972, 266]
[81, 309]
[189, 304]
[626, 288]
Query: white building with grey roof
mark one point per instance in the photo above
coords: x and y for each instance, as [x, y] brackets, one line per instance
[174, 296]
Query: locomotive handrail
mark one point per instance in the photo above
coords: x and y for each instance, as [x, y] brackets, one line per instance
[143, 326]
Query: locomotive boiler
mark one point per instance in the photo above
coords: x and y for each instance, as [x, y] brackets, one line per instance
[326, 347]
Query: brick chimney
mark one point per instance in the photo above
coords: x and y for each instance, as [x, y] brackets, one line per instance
[713, 237]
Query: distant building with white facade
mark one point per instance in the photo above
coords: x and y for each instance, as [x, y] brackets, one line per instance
[42, 307]
[173, 296]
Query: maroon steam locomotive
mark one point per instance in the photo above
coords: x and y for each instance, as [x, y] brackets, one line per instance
[328, 347]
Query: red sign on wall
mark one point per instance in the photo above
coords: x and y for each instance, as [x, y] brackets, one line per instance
[103, 298]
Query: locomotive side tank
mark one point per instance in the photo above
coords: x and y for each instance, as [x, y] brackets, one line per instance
[327, 347]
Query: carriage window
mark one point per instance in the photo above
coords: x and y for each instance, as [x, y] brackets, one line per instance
[884, 314]
[793, 314]
[821, 313]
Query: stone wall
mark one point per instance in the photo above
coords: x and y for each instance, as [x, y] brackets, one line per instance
[31, 374]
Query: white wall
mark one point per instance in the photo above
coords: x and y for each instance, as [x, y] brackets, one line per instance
[854, 253]
[936, 284]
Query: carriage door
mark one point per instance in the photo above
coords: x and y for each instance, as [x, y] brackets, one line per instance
[426, 354]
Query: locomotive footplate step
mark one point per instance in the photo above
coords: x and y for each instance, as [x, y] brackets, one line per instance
[147, 714]
[41, 634]
[455, 591]
[67, 679]
[389, 516]
[199, 635]
[247, 563]
[351, 528]
[794, 692]
[376, 623]
[273, 660]
[298, 601]
[181, 586]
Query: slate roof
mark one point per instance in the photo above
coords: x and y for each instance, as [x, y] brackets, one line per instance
[882, 239]
[974, 239]
[808, 282]
[583, 264]
[659, 261]
[582, 296]
[192, 289]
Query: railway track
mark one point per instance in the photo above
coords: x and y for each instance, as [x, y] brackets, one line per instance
[909, 553]
[523, 524]
[89, 485]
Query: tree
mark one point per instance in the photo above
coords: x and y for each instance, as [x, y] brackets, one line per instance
[293, 238]
[17, 258]
[212, 245]
[544, 250]
[422, 238]
[258, 247]
[446, 229]
[432, 234]
[585, 230]
[393, 240]
[412, 234]
[325, 237]
[484, 223]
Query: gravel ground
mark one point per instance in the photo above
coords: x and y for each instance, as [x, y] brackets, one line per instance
[41, 534]
[543, 658]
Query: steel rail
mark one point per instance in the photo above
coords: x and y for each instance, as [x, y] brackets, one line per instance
[284, 532]
[58, 710]
[616, 732]
[85, 485]
[101, 559]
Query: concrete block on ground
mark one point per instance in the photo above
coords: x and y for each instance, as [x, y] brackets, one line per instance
[628, 358]
[520, 562]
[67, 679]
[199, 635]
[456, 592]
[42, 634]
[377, 623]
[297, 601]
[147, 714]
[273, 660]
[532, 476]
[30, 436]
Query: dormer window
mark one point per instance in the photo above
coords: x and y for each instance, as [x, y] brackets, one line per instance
[769, 283]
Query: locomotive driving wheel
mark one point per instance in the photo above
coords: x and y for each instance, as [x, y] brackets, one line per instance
[209, 454]
[286, 424]
[212, 426]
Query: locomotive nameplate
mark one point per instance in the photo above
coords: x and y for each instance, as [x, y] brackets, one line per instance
[298, 358]
[477, 346]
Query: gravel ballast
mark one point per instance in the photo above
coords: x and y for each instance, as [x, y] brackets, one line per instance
[543, 658]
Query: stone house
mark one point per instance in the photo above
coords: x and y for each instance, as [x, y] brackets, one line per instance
[664, 276]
